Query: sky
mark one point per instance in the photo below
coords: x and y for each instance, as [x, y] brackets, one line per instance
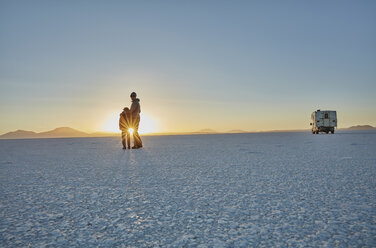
[250, 65]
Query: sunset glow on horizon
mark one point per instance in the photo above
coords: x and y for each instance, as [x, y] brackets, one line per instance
[147, 124]
[253, 66]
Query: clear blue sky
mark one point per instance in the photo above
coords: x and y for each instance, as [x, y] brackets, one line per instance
[252, 65]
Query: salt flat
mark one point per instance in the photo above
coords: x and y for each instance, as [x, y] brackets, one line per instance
[231, 190]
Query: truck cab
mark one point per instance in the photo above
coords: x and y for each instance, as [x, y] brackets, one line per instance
[323, 121]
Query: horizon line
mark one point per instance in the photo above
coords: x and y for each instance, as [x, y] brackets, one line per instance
[97, 134]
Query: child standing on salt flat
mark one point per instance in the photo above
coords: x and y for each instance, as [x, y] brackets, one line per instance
[124, 126]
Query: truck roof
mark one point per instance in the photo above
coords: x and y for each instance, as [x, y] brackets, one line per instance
[325, 110]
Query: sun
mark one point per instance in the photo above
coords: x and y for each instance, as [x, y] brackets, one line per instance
[147, 124]
[131, 131]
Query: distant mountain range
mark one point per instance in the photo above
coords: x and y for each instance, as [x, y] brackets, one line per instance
[67, 132]
[361, 127]
[206, 130]
[19, 134]
[61, 132]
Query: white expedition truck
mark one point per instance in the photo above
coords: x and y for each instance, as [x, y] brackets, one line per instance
[323, 121]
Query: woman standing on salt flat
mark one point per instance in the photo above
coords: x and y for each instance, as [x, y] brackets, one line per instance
[135, 120]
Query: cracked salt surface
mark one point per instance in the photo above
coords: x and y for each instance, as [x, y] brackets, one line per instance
[238, 190]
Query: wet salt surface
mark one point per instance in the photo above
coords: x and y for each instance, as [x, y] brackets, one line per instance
[236, 190]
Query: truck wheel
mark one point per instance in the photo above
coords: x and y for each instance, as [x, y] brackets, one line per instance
[327, 132]
[332, 131]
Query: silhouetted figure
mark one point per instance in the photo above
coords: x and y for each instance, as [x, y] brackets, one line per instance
[124, 125]
[135, 117]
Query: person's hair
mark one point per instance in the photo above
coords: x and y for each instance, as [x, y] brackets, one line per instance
[126, 109]
[133, 94]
